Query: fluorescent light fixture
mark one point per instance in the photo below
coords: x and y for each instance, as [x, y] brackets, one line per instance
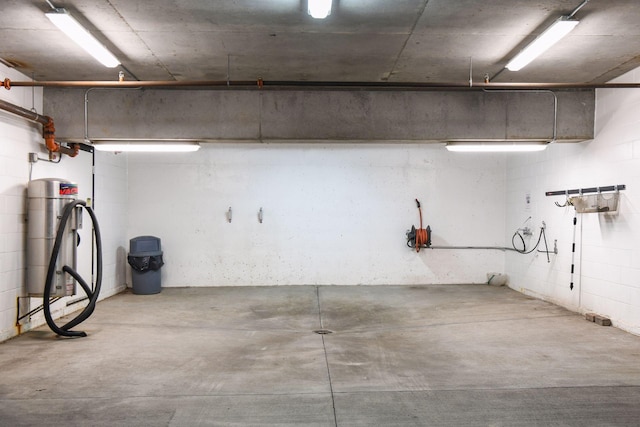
[76, 32]
[147, 146]
[319, 9]
[544, 41]
[496, 146]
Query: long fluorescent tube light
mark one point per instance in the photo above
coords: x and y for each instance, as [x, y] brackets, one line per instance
[495, 146]
[544, 41]
[147, 147]
[76, 32]
[319, 9]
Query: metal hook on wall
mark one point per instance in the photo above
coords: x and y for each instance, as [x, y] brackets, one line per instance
[566, 203]
[229, 215]
[260, 215]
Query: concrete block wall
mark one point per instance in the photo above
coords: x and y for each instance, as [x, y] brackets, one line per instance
[20, 137]
[607, 260]
[333, 213]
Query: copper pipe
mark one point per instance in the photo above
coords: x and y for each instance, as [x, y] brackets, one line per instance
[260, 84]
[131, 84]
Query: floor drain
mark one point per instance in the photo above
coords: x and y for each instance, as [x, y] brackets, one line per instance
[323, 331]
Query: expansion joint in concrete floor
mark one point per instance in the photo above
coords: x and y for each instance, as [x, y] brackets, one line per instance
[326, 358]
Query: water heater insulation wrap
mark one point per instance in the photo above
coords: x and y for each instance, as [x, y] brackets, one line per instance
[46, 201]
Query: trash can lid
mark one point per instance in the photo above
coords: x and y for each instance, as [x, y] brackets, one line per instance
[144, 244]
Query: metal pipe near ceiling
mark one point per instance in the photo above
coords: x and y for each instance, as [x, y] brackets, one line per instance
[315, 85]
[23, 112]
[48, 128]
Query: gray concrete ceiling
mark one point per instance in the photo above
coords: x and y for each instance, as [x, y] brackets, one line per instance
[362, 40]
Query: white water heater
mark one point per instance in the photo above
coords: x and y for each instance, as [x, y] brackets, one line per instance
[46, 199]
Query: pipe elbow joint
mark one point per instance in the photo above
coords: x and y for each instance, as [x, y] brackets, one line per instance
[49, 134]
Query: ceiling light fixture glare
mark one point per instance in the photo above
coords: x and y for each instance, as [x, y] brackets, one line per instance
[319, 9]
[544, 41]
[76, 32]
[496, 146]
[146, 146]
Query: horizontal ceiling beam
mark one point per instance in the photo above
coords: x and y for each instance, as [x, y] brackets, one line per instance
[375, 116]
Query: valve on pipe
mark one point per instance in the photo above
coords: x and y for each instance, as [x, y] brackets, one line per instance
[421, 237]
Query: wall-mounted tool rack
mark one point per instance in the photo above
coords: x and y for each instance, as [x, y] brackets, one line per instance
[586, 190]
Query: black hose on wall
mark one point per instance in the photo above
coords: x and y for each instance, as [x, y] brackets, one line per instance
[93, 295]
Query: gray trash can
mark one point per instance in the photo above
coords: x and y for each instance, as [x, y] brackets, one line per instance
[145, 259]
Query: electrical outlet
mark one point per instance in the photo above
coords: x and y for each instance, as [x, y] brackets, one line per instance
[33, 157]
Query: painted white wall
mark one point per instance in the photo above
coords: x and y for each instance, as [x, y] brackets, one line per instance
[110, 205]
[607, 261]
[333, 214]
[20, 137]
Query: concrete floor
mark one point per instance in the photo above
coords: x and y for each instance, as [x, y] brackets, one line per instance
[449, 355]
